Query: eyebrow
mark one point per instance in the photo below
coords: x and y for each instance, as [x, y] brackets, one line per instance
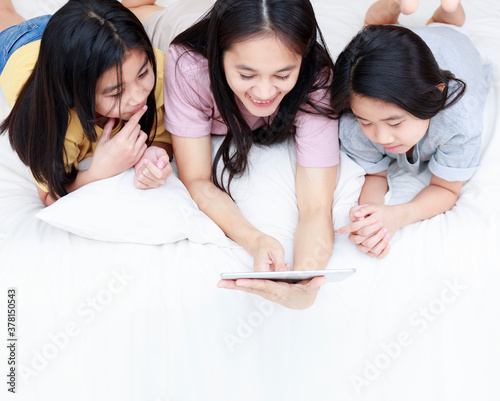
[246, 68]
[390, 118]
[110, 89]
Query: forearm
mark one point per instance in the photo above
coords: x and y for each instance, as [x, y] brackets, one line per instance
[82, 178]
[314, 238]
[431, 201]
[217, 205]
[374, 189]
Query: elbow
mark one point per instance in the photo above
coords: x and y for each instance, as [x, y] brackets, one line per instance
[45, 197]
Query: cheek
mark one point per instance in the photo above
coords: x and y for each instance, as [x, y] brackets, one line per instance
[237, 85]
[150, 82]
[288, 85]
[106, 107]
[367, 132]
[417, 131]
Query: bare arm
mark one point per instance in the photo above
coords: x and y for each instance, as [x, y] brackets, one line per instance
[438, 197]
[194, 161]
[374, 224]
[374, 188]
[314, 236]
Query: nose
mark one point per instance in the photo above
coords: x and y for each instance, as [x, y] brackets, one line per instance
[384, 136]
[137, 95]
[264, 90]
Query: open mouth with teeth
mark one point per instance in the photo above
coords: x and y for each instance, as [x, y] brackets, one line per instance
[261, 103]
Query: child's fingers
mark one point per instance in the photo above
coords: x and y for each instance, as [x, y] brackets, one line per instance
[151, 171]
[106, 132]
[384, 253]
[141, 138]
[130, 127]
[163, 159]
[142, 182]
[365, 210]
[365, 250]
[381, 249]
[370, 229]
[353, 212]
[364, 227]
[357, 239]
[375, 240]
[139, 152]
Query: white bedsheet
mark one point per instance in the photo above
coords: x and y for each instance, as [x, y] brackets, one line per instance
[110, 321]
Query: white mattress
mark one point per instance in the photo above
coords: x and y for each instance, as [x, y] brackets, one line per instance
[147, 322]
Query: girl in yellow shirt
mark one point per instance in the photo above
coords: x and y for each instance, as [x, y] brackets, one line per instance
[89, 87]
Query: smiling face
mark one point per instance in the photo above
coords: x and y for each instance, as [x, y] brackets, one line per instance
[138, 81]
[387, 124]
[260, 72]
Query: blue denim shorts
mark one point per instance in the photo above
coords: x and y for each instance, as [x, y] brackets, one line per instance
[19, 35]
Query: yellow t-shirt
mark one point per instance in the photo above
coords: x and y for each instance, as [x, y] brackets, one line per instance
[77, 146]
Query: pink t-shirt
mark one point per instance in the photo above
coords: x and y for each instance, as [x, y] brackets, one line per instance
[190, 111]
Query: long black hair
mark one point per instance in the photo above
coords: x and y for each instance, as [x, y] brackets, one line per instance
[394, 64]
[229, 21]
[82, 40]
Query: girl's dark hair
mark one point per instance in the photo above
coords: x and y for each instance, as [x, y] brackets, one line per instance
[231, 21]
[394, 64]
[82, 40]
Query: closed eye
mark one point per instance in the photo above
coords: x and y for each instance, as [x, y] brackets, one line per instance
[245, 76]
[284, 78]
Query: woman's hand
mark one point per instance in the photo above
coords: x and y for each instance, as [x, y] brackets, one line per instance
[268, 254]
[113, 156]
[153, 169]
[294, 296]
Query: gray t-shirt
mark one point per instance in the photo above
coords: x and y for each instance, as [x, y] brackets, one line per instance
[452, 144]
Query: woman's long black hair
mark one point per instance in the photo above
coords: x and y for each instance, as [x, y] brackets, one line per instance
[82, 40]
[230, 21]
[394, 64]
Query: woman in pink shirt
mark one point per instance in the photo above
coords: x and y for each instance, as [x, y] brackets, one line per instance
[257, 72]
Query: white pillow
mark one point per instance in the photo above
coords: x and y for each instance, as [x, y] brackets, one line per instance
[265, 194]
[115, 210]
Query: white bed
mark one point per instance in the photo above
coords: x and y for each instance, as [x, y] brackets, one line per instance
[98, 320]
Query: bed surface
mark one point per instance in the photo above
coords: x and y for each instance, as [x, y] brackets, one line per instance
[114, 321]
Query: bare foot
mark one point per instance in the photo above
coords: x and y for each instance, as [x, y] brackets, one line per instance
[383, 12]
[8, 15]
[449, 6]
[456, 17]
[408, 6]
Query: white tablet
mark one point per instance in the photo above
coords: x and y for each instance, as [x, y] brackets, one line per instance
[292, 276]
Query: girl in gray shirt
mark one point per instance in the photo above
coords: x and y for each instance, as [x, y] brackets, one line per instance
[399, 101]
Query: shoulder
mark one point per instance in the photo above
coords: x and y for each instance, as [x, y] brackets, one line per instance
[185, 60]
[18, 69]
[187, 77]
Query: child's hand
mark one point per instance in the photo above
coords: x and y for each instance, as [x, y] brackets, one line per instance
[113, 156]
[372, 228]
[153, 169]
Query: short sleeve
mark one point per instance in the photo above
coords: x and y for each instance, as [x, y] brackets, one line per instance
[317, 137]
[359, 148]
[189, 103]
[457, 159]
